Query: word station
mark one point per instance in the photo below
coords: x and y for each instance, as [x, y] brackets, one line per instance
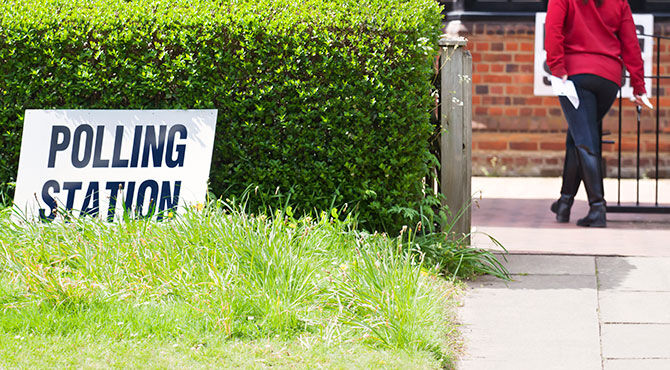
[152, 147]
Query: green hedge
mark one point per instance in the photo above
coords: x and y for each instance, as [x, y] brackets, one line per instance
[326, 101]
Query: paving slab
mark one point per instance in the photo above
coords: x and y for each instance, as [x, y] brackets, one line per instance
[526, 363]
[644, 364]
[535, 321]
[549, 265]
[634, 273]
[628, 341]
[634, 307]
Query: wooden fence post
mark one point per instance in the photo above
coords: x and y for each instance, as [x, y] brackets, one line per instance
[456, 140]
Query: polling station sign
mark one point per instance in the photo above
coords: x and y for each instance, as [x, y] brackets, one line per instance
[644, 24]
[102, 163]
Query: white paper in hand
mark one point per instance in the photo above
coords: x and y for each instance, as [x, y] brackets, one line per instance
[566, 89]
[646, 102]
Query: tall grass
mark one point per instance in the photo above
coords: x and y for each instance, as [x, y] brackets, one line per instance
[444, 249]
[221, 270]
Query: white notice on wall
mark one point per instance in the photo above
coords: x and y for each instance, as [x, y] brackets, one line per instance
[102, 163]
[644, 23]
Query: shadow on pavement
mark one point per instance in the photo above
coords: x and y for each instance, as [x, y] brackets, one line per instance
[552, 272]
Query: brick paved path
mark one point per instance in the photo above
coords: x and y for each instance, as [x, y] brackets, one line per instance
[516, 212]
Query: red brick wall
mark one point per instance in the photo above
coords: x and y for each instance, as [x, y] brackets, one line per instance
[503, 103]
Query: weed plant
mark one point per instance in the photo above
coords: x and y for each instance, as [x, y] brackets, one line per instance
[218, 270]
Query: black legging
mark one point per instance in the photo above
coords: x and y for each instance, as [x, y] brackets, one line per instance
[596, 95]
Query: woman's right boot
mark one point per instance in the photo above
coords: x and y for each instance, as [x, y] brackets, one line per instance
[571, 180]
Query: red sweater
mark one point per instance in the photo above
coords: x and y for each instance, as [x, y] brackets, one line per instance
[583, 38]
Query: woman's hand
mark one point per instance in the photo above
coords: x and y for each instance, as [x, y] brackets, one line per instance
[564, 78]
[642, 100]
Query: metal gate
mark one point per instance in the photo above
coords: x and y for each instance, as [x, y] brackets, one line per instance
[637, 207]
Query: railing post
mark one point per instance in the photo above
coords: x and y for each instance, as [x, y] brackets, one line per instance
[456, 140]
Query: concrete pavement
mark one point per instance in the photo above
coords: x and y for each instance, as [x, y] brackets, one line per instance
[579, 299]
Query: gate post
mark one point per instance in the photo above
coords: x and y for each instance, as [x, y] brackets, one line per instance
[456, 125]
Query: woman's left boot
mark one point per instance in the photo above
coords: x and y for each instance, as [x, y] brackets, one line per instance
[596, 216]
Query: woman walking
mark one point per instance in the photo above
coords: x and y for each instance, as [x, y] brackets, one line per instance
[588, 42]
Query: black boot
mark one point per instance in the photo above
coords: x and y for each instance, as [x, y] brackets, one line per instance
[562, 206]
[596, 216]
[571, 180]
[593, 182]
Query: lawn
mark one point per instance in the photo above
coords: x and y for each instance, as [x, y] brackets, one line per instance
[221, 287]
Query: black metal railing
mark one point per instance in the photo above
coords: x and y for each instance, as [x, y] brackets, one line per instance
[638, 207]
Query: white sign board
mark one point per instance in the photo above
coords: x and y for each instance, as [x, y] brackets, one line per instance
[644, 23]
[101, 163]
